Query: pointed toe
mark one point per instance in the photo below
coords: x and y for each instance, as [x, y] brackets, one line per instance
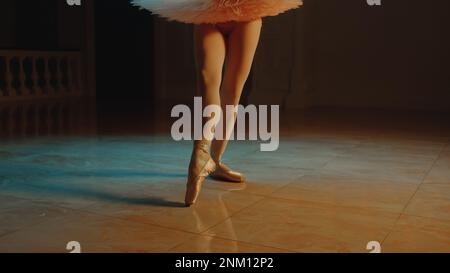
[197, 175]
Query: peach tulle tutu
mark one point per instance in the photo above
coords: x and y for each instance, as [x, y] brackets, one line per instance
[216, 11]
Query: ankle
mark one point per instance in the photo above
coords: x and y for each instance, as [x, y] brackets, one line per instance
[202, 144]
[215, 158]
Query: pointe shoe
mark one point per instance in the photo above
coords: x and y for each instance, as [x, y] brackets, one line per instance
[200, 167]
[224, 173]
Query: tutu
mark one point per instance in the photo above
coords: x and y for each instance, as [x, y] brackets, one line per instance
[216, 11]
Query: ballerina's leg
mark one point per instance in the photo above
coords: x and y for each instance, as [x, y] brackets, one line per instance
[241, 47]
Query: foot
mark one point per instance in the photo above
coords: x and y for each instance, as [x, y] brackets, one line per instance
[200, 167]
[224, 173]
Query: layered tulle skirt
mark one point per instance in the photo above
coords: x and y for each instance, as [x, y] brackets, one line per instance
[216, 11]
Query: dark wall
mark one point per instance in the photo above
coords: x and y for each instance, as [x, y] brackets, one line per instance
[41, 25]
[394, 56]
[7, 24]
[36, 24]
[124, 49]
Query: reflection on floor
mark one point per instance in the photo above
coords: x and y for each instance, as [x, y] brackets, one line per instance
[337, 182]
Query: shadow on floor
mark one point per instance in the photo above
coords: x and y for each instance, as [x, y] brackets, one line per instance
[80, 192]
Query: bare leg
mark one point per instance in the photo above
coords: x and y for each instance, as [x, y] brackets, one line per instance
[210, 50]
[242, 43]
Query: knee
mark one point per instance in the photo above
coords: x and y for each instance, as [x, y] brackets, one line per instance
[210, 78]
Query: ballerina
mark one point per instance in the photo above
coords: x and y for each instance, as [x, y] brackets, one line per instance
[226, 35]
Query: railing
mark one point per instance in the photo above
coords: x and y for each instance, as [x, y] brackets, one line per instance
[39, 74]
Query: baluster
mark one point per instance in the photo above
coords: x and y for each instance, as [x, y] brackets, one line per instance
[25, 77]
[22, 77]
[35, 77]
[9, 78]
[54, 75]
[48, 77]
[15, 73]
[59, 75]
[67, 74]
[70, 78]
[78, 75]
[73, 74]
[2, 91]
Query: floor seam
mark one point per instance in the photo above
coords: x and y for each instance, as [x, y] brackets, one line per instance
[402, 213]
[229, 216]
[246, 242]
[265, 197]
[137, 222]
[314, 170]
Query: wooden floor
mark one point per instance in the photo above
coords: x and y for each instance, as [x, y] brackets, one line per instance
[337, 182]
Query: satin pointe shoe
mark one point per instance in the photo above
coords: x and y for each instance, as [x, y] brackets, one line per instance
[224, 173]
[201, 166]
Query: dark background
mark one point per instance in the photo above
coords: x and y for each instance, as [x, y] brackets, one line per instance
[347, 54]
[124, 49]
